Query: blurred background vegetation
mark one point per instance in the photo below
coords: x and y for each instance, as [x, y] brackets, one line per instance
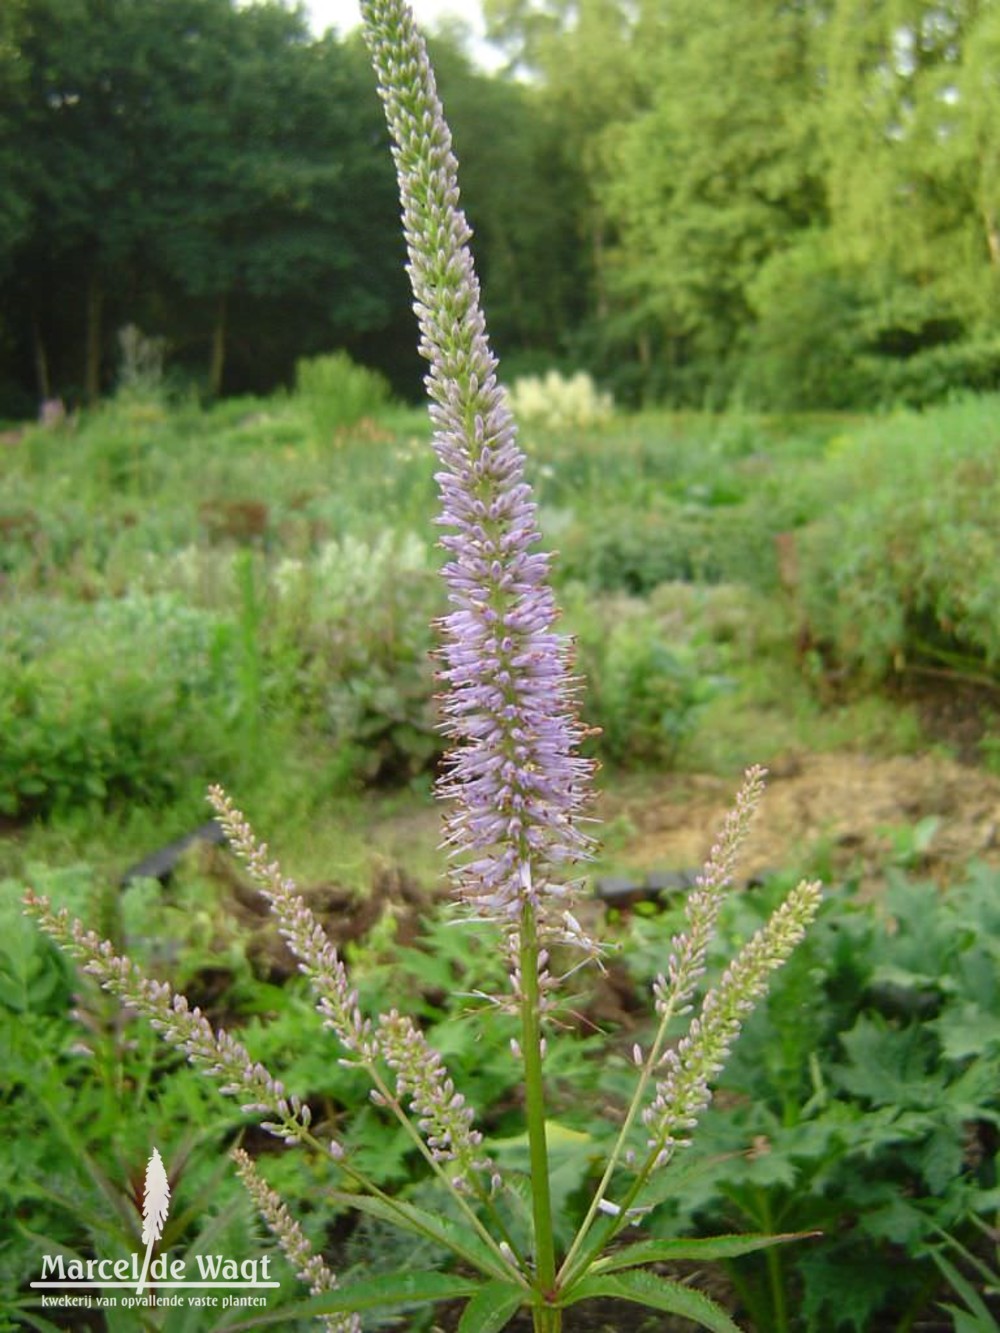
[740, 261]
[730, 201]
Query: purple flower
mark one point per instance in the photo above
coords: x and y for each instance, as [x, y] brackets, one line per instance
[517, 784]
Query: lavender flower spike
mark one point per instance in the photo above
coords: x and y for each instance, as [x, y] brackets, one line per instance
[510, 708]
[308, 1265]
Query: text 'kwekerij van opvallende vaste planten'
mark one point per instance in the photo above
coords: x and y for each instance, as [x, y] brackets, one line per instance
[516, 790]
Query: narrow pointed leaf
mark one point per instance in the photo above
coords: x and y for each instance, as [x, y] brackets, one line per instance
[492, 1308]
[962, 1287]
[36, 1321]
[967, 1323]
[712, 1247]
[382, 1291]
[658, 1293]
[407, 1217]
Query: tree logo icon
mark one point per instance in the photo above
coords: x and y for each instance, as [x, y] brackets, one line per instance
[155, 1204]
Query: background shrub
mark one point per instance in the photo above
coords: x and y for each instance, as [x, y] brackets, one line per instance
[122, 699]
[352, 638]
[337, 393]
[644, 683]
[903, 565]
[559, 402]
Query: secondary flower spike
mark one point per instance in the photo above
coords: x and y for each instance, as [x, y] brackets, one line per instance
[516, 782]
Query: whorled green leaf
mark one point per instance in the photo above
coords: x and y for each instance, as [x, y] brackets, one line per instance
[658, 1293]
[492, 1308]
[712, 1247]
[381, 1291]
[462, 1241]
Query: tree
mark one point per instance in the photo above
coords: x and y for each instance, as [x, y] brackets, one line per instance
[722, 171]
[913, 95]
[288, 204]
[523, 195]
[587, 58]
[189, 166]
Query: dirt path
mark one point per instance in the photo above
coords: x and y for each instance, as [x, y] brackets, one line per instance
[852, 813]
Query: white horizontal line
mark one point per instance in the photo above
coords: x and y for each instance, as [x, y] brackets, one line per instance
[154, 1285]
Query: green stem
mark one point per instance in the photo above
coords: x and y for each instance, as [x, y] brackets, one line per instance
[534, 1098]
[547, 1319]
[775, 1273]
[503, 1270]
[568, 1272]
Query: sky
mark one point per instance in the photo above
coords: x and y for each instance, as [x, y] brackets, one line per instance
[346, 14]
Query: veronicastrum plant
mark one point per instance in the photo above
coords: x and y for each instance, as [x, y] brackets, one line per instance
[516, 790]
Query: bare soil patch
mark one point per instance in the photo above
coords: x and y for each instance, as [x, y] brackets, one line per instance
[842, 808]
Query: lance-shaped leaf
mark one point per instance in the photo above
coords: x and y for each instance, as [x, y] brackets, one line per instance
[383, 1291]
[492, 1308]
[711, 1247]
[462, 1241]
[659, 1293]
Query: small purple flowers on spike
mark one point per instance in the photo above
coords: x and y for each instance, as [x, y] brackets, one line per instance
[517, 784]
[308, 1265]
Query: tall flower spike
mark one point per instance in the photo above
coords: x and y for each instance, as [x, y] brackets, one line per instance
[186, 1029]
[516, 782]
[688, 950]
[683, 1092]
[308, 941]
[294, 1243]
[445, 1119]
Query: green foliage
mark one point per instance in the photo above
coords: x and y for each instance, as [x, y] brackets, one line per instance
[804, 343]
[706, 540]
[644, 691]
[714, 171]
[119, 700]
[522, 186]
[197, 591]
[195, 173]
[868, 1086]
[83, 1095]
[352, 638]
[935, 374]
[336, 393]
[901, 566]
[672, 201]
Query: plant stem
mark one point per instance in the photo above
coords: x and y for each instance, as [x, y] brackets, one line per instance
[547, 1319]
[775, 1273]
[568, 1272]
[534, 1098]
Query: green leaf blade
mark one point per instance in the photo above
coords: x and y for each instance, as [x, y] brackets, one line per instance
[658, 1293]
[381, 1291]
[492, 1308]
[462, 1241]
[710, 1248]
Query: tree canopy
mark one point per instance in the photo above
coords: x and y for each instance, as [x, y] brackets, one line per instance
[795, 204]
